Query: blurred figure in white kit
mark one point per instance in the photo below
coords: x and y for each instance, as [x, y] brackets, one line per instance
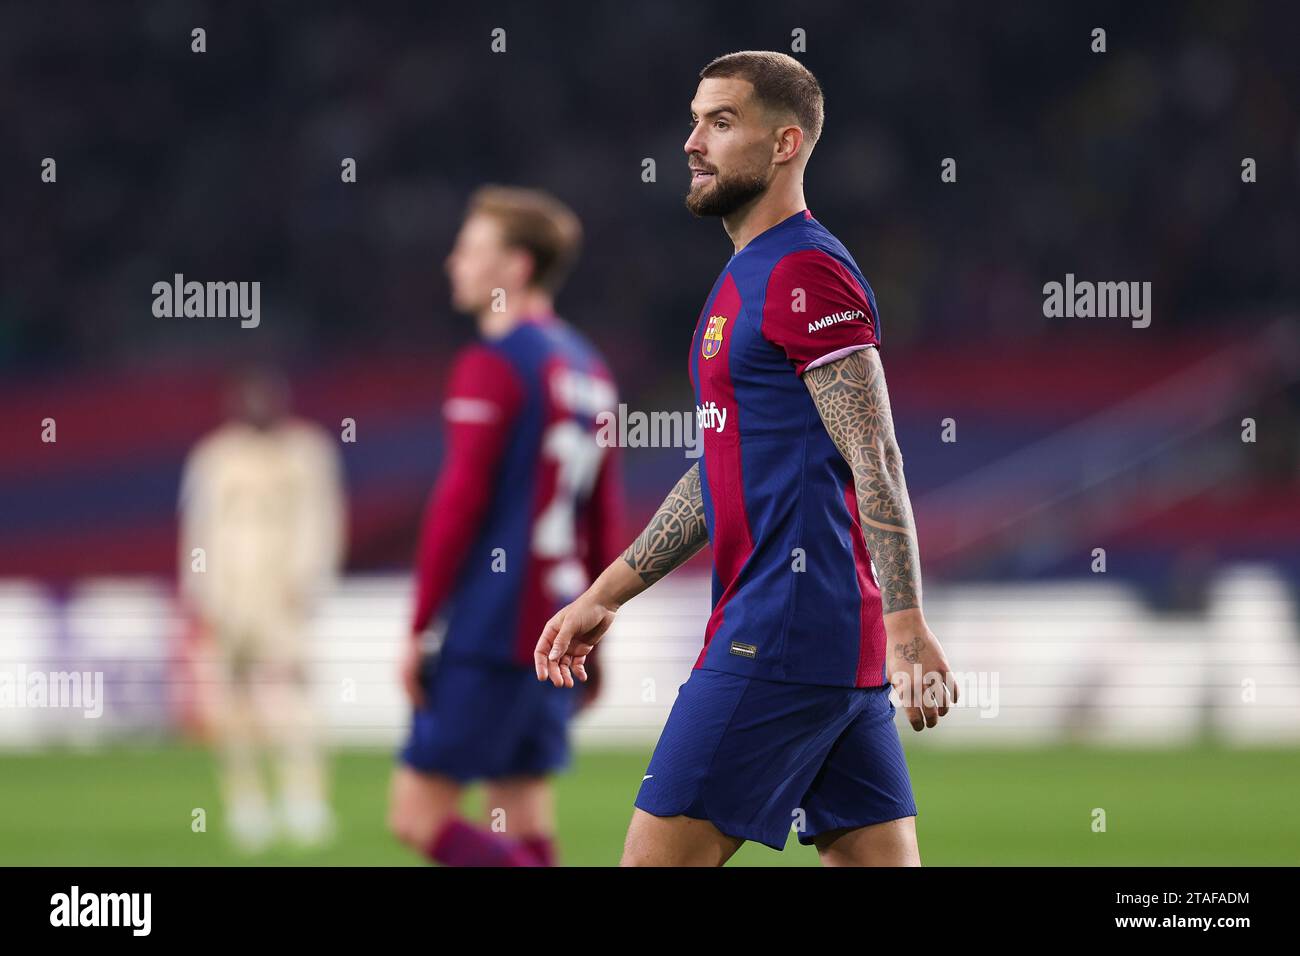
[263, 523]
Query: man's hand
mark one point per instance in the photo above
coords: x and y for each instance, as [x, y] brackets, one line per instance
[675, 533]
[918, 669]
[569, 637]
[410, 670]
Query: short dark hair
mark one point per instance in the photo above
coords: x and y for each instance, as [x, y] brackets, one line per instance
[780, 81]
[538, 223]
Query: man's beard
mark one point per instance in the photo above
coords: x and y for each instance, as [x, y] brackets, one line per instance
[726, 195]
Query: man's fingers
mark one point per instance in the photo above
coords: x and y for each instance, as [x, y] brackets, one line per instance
[561, 652]
[543, 649]
[563, 636]
[931, 715]
[560, 671]
[914, 717]
[908, 692]
[934, 698]
[931, 698]
[949, 695]
[926, 696]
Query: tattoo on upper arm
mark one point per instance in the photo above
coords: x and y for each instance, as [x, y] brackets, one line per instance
[675, 533]
[851, 396]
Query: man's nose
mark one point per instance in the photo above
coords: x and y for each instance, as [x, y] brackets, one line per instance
[694, 143]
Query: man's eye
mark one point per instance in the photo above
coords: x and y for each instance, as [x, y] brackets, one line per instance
[721, 124]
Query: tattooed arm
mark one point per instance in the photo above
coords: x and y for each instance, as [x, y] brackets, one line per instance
[851, 397]
[674, 535]
[853, 402]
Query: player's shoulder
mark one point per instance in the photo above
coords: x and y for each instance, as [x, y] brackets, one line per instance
[224, 437]
[217, 451]
[485, 370]
[814, 259]
[308, 435]
[554, 338]
[484, 358]
[579, 344]
[810, 246]
[798, 250]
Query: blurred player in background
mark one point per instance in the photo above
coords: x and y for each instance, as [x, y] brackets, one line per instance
[524, 514]
[263, 523]
[786, 718]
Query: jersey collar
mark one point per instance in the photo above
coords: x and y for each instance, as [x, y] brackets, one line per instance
[800, 216]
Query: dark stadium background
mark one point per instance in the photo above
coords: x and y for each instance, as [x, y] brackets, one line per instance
[1121, 165]
[1072, 433]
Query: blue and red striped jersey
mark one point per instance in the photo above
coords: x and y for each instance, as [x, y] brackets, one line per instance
[525, 512]
[795, 597]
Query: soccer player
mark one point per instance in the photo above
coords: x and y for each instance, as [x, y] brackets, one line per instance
[786, 717]
[523, 516]
[263, 522]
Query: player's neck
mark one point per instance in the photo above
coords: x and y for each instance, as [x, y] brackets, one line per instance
[519, 307]
[775, 205]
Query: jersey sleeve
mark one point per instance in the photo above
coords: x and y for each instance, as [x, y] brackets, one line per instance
[816, 311]
[483, 399]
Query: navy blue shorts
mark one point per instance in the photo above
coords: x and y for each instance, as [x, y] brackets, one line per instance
[757, 757]
[485, 722]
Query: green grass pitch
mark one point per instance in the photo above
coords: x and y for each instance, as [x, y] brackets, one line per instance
[1197, 806]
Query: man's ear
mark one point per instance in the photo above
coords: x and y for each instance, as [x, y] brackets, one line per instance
[789, 140]
[522, 266]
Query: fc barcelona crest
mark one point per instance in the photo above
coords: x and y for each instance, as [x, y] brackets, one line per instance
[713, 336]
